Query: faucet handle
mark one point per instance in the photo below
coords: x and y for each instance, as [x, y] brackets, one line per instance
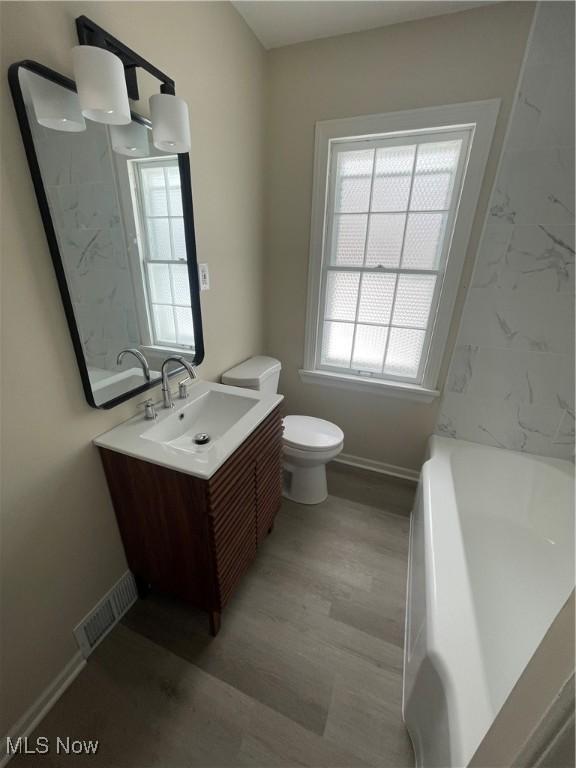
[183, 387]
[149, 409]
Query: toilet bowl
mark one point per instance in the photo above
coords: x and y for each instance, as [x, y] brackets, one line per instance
[308, 443]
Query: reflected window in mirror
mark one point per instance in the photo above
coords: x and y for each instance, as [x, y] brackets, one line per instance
[119, 222]
[157, 211]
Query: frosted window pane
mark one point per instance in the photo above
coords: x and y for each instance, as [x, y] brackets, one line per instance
[424, 240]
[154, 187]
[178, 240]
[436, 166]
[392, 178]
[349, 239]
[159, 279]
[376, 294]
[404, 352]
[156, 203]
[369, 346]
[184, 324]
[175, 195]
[173, 173]
[181, 283]
[164, 323]
[153, 177]
[385, 234]
[159, 239]
[341, 295]
[353, 180]
[413, 300]
[337, 344]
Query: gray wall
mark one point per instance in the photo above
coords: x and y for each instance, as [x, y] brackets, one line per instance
[510, 383]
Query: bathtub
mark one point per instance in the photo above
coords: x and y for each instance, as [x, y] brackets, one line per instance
[491, 564]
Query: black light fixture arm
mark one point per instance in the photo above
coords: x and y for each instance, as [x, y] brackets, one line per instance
[90, 33]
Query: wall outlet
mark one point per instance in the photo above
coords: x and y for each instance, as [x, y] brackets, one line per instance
[204, 277]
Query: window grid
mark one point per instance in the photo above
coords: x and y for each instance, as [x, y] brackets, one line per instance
[420, 333]
[359, 292]
[182, 336]
[412, 172]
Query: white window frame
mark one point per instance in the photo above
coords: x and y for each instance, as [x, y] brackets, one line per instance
[150, 342]
[476, 118]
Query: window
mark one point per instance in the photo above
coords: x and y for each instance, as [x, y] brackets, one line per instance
[392, 223]
[160, 224]
[392, 204]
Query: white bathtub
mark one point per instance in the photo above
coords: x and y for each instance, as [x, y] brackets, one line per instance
[491, 564]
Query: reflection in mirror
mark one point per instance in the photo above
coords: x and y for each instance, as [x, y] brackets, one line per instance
[116, 208]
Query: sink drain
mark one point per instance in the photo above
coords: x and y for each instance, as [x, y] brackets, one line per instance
[201, 438]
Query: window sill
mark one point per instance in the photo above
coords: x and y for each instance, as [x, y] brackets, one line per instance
[386, 388]
[163, 352]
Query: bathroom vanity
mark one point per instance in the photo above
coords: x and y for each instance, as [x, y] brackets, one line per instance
[192, 516]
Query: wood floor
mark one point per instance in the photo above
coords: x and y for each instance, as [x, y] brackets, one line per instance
[307, 668]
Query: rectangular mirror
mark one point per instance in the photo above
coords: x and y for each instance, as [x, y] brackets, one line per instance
[119, 222]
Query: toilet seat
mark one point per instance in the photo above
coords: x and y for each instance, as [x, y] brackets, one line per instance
[308, 443]
[307, 433]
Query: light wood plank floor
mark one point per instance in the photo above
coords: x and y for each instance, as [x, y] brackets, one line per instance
[307, 668]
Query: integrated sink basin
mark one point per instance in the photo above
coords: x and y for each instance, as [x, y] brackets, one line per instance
[199, 433]
[211, 414]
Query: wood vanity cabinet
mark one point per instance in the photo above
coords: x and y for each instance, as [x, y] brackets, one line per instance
[195, 538]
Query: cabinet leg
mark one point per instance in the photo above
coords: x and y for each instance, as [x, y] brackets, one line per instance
[215, 621]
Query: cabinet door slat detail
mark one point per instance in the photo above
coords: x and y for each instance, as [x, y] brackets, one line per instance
[196, 538]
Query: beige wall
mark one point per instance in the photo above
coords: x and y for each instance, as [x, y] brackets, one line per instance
[60, 546]
[466, 56]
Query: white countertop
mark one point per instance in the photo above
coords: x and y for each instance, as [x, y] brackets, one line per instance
[130, 437]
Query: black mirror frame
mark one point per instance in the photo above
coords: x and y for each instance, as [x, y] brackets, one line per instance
[41, 197]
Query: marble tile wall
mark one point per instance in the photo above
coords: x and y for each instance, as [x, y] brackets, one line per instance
[510, 382]
[78, 174]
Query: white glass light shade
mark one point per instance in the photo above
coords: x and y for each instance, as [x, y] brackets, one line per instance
[101, 85]
[54, 106]
[170, 123]
[130, 140]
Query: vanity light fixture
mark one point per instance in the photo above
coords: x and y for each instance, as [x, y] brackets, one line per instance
[170, 123]
[54, 107]
[106, 77]
[130, 140]
[101, 85]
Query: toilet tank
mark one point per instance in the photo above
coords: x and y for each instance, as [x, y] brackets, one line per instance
[261, 373]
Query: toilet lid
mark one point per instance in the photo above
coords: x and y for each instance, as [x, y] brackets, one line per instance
[311, 434]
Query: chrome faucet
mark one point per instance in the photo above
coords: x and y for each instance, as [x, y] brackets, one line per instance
[166, 394]
[139, 356]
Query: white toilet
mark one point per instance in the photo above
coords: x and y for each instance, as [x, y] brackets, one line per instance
[309, 443]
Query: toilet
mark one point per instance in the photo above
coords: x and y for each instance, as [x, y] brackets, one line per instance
[308, 443]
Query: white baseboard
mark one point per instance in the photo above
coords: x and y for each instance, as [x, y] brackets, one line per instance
[43, 704]
[378, 466]
[89, 633]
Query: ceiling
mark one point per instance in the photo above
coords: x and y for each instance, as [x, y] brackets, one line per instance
[284, 22]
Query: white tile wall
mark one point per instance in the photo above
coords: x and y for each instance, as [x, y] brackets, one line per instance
[78, 175]
[511, 381]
